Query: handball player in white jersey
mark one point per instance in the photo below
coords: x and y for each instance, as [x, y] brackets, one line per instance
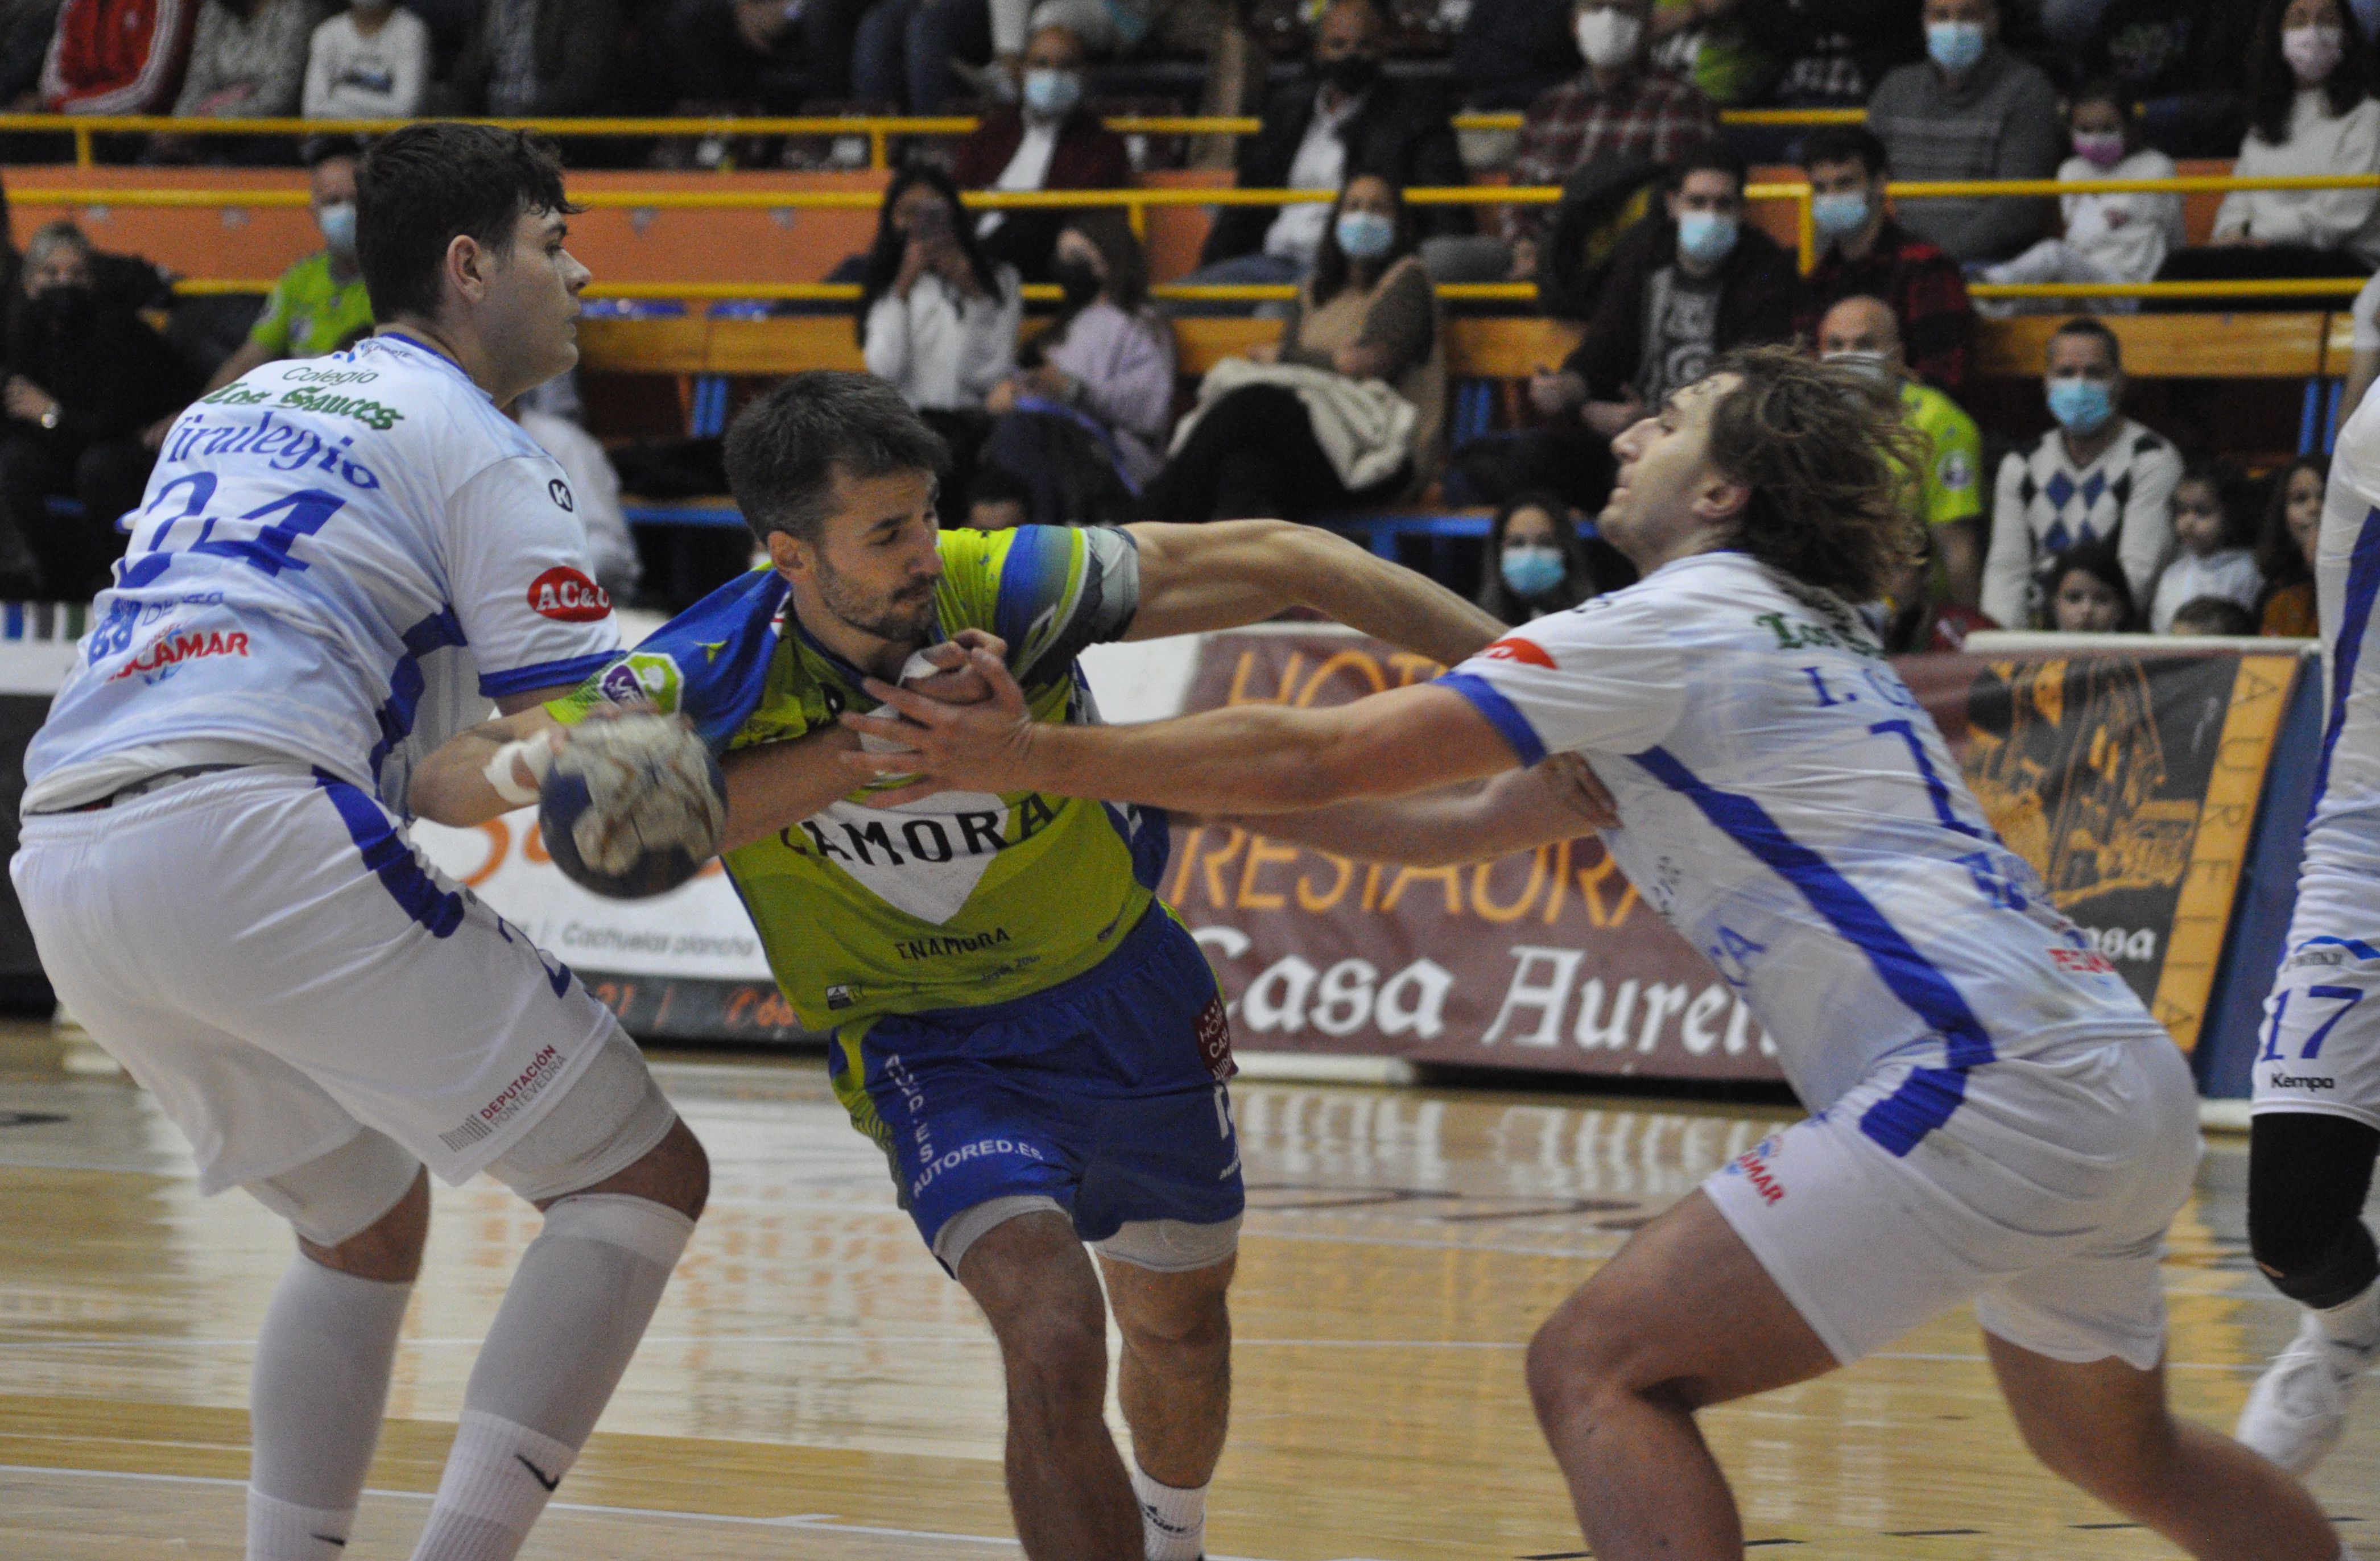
[1999, 1120]
[339, 565]
[2316, 1127]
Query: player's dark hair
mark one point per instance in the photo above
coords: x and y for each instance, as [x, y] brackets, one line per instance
[1826, 452]
[1846, 143]
[785, 448]
[428, 184]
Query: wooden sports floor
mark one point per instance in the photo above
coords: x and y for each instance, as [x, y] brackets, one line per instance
[814, 1387]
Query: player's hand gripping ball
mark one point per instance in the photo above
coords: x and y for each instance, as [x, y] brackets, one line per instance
[633, 807]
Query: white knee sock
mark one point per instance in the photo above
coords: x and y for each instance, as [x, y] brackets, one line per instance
[1172, 1520]
[2354, 1322]
[571, 1318]
[315, 1398]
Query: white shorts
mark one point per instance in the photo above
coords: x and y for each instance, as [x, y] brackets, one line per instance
[268, 956]
[2319, 1049]
[2044, 1198]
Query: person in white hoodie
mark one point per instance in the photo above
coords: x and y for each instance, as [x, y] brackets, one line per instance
[2109, 237]
[2310, 112]
[371, 61]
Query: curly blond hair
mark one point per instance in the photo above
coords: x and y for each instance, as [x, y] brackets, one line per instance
[1829, 459]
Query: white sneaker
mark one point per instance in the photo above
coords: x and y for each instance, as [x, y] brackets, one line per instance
[2299, 1406]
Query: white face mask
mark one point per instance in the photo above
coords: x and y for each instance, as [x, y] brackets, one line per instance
[1608, 38]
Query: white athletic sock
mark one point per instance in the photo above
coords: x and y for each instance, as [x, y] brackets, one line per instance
[2354, 1322]
[277, 1530]
[571, 1318]
[315, 1398]
[1172, 1520]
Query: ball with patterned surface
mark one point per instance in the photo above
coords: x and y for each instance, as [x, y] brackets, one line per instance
[633, 807]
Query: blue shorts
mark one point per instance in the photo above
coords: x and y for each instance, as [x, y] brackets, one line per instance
[1104, 1093]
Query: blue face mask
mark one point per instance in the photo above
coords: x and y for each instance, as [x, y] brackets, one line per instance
[1052, 94]
[2081, 406]
[338, 225]
[1837, 216]
[1531, 570]
[1955, 45]
[1706, 238]
[1366, 236]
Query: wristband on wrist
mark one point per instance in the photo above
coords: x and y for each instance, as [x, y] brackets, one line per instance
[535, 754]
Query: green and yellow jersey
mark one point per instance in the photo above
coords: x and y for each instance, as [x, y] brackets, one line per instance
[1951, 488]
[311, 311]
[959, 899]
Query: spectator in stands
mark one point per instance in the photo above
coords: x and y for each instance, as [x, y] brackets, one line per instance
[1911, 621]
[2285, 551]
[371, 61]
[1362, 340]
[2310, 111]
[999, 501]
[2090, 593]
[1536, 562]
[1683, 287]
[319, 301]
[1348, 115]
[2215, 555]
[1861, 332]
[2178, 59]
[1972, 111]
[2213, 615]
[1052, 142]
[1509, 51]
[1712, 44]
[248, 60]
[117, 56]
[1097, 386]
[594, 496]
[1619, 107]
[725, 56]
[89, 390]
[535, 59]
[1831, 54]
[2097, 477]
[1863, 252]
[2108, 238]
[938, 317]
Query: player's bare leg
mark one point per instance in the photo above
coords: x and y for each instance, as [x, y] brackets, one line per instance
[2106, 1427]
[1066, 1484]
[1684, 1317]
[570, 1322]
[1176, 1385]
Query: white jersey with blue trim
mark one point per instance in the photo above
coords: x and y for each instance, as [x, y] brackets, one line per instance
[2342, 839]
[339, 562]
[1789, 806]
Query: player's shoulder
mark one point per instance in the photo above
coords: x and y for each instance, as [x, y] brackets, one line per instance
[1009, 581]
[406, 397]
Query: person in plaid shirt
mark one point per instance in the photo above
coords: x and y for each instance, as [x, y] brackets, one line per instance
[1864, 252]
[1619, 107]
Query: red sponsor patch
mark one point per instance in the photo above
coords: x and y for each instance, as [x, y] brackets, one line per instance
[176, 648]
[1213, 1029]
[567, 596]
[1513, 648]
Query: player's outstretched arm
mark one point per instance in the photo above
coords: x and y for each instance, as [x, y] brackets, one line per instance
[452, 784]
[1194, 579]
[1246, 759]
[1558, 798]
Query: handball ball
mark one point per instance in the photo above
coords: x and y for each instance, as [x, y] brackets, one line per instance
[633, 807]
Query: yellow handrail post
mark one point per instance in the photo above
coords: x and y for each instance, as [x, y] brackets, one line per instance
[82, 146]
[1805, 228]
[878, 156]
[1137, 215]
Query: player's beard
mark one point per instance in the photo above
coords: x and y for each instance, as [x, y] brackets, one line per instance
[899, 619]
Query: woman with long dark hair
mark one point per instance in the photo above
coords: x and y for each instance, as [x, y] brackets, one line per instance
[2310, 111]
[1368, 313]
[1083, 419]
[1537, 562]
[936, 317]
[2285, 549]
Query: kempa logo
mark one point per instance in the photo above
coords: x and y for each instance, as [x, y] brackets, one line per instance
[938, 947]
[2300, 1081]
